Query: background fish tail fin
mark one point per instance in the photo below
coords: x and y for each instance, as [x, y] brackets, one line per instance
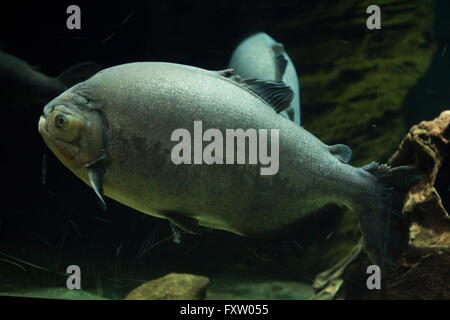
[385, 230]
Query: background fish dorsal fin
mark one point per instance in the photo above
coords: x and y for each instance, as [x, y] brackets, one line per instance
[341, 151]
[280, 60]
[276, 93]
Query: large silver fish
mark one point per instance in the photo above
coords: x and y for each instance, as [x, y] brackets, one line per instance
[260, 56]
[114, 132]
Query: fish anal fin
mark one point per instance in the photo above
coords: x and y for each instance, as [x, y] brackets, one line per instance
[341, 151]
[185, 223]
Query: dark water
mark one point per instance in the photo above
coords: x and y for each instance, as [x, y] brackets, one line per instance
[426, 100]
[50, 219]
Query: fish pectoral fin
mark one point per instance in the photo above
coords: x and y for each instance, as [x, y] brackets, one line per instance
[280, 60]
[341, 151]
[95, 179]
[190, 225]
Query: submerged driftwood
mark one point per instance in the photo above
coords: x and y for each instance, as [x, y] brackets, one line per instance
[423, 272]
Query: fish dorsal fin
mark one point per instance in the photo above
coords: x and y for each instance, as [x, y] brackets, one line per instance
[280, 60]
[341, 151]
[276, 93]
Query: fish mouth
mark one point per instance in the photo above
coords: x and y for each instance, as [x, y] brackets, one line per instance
[45, 117]
[43, 123]
[43, 126]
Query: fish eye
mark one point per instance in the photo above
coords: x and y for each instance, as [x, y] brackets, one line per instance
[60, 120]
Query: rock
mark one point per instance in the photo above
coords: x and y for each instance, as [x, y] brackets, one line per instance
[424, 269]
[427, 146]
[174, 286]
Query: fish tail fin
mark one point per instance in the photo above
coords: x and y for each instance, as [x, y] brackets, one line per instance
[385, 230]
